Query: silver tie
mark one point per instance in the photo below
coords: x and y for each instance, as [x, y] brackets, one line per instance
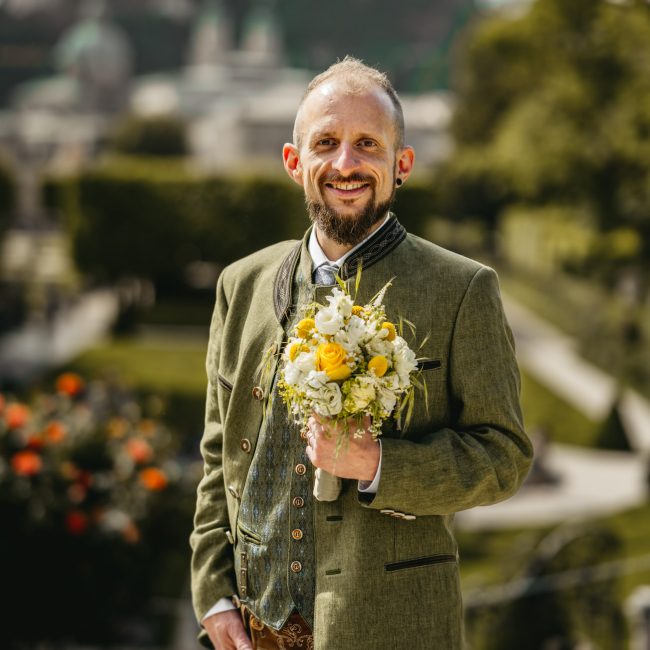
[325, 274]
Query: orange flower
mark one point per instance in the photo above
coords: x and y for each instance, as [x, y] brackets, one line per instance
[153, 479]
[35, 441]
[147, 427]
[131, 533]
[26, 463]
[117, 427]
[76, 522]
[139, 450]
[69, 384]
[17, 415]
[54, 432]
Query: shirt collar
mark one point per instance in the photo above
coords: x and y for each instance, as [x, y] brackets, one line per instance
[318, 256]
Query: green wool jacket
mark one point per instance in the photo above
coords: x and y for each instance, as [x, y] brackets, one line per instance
[386, 565]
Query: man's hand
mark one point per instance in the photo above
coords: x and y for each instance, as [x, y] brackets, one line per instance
[226, 631]
[358, 458]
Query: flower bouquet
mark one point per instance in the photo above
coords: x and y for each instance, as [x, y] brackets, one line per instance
[347, 362]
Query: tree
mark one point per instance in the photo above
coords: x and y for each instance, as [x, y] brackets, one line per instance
[554, 107]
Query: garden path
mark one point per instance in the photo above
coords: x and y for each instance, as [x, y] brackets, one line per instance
[590, 482]
[39, 346]
[552, 358]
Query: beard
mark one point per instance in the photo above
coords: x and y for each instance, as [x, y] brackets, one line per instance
[351, 229]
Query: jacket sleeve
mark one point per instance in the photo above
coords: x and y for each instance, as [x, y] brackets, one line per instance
[213, 575]
[484, 456]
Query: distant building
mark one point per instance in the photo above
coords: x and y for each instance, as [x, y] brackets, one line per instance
[241, 101]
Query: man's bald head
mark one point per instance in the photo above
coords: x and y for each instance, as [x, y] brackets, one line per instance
[355, 77]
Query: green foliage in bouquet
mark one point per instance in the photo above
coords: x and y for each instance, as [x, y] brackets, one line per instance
[94, 509]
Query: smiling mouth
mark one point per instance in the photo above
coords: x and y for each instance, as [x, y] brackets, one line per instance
[347, 189]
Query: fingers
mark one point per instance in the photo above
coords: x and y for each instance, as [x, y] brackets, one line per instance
[226, 631]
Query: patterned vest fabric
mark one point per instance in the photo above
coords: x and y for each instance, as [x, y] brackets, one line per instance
[275, 526]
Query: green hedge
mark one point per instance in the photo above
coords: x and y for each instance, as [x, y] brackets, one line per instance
[131, 217]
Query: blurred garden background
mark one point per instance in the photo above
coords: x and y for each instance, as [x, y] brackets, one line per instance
[140, 153]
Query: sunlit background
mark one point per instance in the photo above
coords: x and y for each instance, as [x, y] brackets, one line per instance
[140, 153]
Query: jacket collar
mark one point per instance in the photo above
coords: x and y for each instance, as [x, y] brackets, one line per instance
[374, 249]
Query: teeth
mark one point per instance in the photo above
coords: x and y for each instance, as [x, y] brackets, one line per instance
[347, 186]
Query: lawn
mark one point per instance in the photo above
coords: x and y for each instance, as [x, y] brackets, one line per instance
[543, 409]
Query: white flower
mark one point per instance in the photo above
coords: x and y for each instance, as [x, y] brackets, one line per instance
[356, 329]
[316, 379]
[387, 398]
[341, 302]
[347, 342]
[404, 360]
[328, 321]
[292, 374]
[362, 392]
[327, 399]
[305, 362]
[378, 345]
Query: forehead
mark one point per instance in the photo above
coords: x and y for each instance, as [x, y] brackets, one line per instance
[335, 107]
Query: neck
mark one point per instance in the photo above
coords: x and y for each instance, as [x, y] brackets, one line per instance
[333, 250]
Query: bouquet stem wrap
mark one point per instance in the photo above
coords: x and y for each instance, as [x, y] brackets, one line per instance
[327, 487]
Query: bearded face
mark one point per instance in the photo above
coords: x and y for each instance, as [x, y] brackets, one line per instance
[348, 229]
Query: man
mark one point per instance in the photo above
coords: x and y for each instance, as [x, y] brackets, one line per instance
[377, 567]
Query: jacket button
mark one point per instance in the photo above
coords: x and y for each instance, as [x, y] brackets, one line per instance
[386, 511]
[245, 444]
[301, 469]
[296, 567]
[296, 533]
[409, 517]
[398, 515]
[298, 502]
[233, 492]
[258, 393]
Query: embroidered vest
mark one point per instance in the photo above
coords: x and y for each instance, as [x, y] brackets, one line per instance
[275, 526]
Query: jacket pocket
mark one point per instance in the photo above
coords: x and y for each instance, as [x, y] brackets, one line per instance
[428, 364]
[224, 382]
[248, 535]
[419, 561]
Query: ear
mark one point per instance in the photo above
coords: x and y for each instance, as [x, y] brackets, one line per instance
[404, 162]
[291, 159]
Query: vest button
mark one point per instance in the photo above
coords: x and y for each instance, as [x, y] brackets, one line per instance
[300, 469]
[258, 393]
[245, 444]
[296, 533]
[296, 567]
[298, 502]
[233, 492]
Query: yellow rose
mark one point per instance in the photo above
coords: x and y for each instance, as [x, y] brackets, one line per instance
[379, 364]
[391, 331]
[330, 358]
[304, 327]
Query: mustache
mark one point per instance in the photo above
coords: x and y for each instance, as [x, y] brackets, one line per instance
[352, 178]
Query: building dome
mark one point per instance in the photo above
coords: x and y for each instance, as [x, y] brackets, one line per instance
[212, 36]
[97, 54]
[262, 36]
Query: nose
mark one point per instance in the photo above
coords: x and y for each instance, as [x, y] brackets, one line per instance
[346, 160]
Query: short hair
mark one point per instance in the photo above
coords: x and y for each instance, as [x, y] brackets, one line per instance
[358, 77]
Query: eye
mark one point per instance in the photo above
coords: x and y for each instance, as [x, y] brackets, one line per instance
[326, 142]
[367, 143]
